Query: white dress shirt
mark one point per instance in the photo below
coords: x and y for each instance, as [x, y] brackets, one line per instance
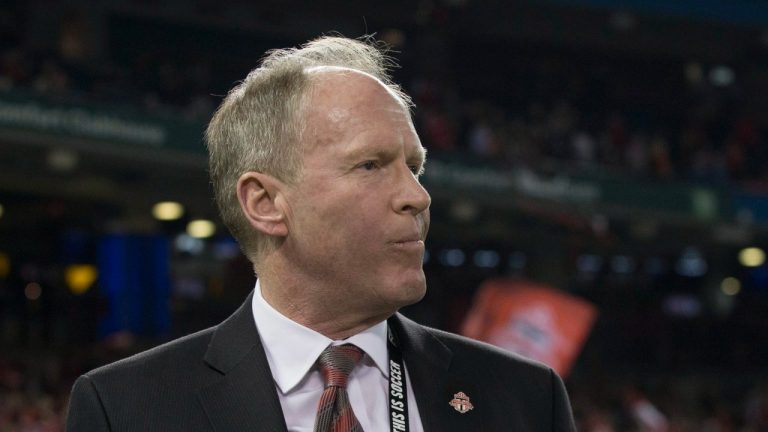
[292, 351]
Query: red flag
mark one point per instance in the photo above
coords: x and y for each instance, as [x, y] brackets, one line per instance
[531, 319]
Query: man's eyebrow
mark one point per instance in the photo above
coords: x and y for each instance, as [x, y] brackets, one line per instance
[359, 152]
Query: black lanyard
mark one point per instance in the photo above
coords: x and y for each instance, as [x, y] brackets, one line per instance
[397, 395]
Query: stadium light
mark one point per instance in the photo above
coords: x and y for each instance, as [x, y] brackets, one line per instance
[721, 76]
[486, 258]
[452, 257]
[730, 286]
[63, 160]
[201, 228]
[752, 257]
[589, 263]
[187, 243]
[33, 291]
[80, 277]
[167, 210]
[623, 264]
[691, 263]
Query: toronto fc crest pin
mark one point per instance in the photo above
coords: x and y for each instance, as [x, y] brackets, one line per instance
[461, 403]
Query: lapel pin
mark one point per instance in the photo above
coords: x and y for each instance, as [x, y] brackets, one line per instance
[461, 403]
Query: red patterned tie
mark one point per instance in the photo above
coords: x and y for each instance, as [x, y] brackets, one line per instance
[334, 413]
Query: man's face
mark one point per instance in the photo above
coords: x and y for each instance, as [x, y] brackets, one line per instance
[358, 217]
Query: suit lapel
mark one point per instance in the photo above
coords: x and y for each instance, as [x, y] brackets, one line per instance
[434, 381]
[244, 398]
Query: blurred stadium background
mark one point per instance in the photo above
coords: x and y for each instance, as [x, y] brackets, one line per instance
[613, 151]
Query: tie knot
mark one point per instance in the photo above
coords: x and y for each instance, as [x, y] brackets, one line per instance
[336, 363]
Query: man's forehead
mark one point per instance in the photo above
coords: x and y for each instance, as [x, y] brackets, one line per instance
[344, 102]
[329, 79]
[329, 70]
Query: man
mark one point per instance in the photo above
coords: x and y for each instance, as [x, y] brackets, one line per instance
[316, 164]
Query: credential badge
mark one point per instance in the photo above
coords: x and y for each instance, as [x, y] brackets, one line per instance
[461, 403]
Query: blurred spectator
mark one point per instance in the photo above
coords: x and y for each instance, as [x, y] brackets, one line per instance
[645, 413]
[584, 149]
[52, 80]
[14, 68]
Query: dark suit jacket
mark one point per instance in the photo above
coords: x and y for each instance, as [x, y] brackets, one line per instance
[219, 380]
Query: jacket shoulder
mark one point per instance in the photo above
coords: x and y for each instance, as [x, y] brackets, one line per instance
[522, 394]
[187, 350]
[467, 349]
[153, 390]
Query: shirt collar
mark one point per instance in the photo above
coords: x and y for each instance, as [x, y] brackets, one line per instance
[292, 349]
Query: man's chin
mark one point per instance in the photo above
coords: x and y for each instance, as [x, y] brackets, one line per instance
[414, 292]
[408, 288]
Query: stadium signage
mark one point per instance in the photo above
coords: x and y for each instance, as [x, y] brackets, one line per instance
[106, 125]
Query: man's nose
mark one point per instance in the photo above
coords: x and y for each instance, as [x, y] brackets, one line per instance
[411, 196]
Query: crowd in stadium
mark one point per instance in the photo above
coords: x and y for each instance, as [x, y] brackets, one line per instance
[657, 120]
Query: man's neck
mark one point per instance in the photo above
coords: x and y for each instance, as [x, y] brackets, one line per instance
[324, 315]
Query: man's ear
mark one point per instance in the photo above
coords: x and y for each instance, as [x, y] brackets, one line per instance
[259, 195]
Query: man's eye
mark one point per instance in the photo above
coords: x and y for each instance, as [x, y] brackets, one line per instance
[417, 170]
[369, 165]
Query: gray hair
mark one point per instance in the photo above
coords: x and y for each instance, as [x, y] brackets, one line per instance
[260, 124]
